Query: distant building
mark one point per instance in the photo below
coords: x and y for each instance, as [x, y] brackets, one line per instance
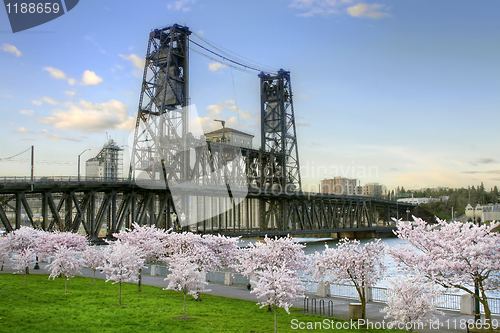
[418, 201]
[340, 185]
[373, 190]
[232, 137]
[491, 213]
[107, 165]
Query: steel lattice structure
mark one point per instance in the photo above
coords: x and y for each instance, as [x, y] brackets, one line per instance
[278, 133]
[162, 120]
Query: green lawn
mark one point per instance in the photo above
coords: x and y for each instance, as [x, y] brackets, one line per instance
[42, 306]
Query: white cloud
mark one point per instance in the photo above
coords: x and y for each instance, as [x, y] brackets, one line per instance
[311, 8]
[134, 59]
[11, 122]
[302, 123]
[183, 5]
[11, 49]
[59, 74]
[90, 78]
[50, 100]
[319, 7]
[367, 10]
[213, 67]
[22, 130]
[28, 112]
[56, 73]
[91, 117]
[70, 93]
[215, 110]
[37, 102]
[201, 33]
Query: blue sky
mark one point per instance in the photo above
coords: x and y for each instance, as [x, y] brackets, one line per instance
[403, 93]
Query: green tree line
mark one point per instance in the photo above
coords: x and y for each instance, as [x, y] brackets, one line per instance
[458, 199]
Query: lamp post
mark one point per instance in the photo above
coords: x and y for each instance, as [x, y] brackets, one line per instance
[407, 214]
[79, 163]
[473, 213]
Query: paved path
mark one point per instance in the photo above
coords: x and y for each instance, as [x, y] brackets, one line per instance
[450, 321]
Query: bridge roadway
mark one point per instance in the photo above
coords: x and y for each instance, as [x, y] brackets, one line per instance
[101, 207]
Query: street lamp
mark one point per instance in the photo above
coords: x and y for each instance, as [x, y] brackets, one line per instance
[79, 163]
[407, 214]
[473, 213]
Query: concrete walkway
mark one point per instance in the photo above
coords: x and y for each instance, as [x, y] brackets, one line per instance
[450, 322]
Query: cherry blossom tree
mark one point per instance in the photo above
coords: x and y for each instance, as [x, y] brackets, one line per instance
[48, 242]
[150, 240]
[93, 258]
[23, 238]
[4, 250]
[22, 260]
[185, 276]
[122, 262]
[66, 262]
[20, 240]
[224, 250]
[276, 264]
[412, 300]
[454, 255]
[351, 263]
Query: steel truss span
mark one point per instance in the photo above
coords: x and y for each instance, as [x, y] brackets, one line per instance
[100, 209]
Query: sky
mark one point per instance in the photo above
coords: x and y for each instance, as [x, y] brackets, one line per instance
[401, 93]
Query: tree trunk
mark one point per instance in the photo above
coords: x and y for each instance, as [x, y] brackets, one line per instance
[66, 285]
[2, 267]
[120, 295]
[140, 279]
[27, 270]
[275, 320]
[487, 315]
[363, 308]
[94, 276]
[184, 311]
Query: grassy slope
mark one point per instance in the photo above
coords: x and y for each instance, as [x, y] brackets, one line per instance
[42, 306]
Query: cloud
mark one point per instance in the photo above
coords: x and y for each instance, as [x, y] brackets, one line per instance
[91, 117]
[59, 74]
[201, 33]
[37, 102]
[90, 78]
[182, 5]
[70, 93]
[27, 112]
[367, 10]
[302, 123]
[215, 110]
[483, 160]
[50, 100]
[304, 96]
[319, 7]
[213, 67]
[137, 61]
[22, 130]
[11, 122]
[11, 49]
[328, 7]
[54, 72]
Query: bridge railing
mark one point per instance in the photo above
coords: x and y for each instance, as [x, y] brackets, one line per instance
[69, 179]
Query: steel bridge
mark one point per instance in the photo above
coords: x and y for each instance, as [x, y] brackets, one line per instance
[178, 179]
